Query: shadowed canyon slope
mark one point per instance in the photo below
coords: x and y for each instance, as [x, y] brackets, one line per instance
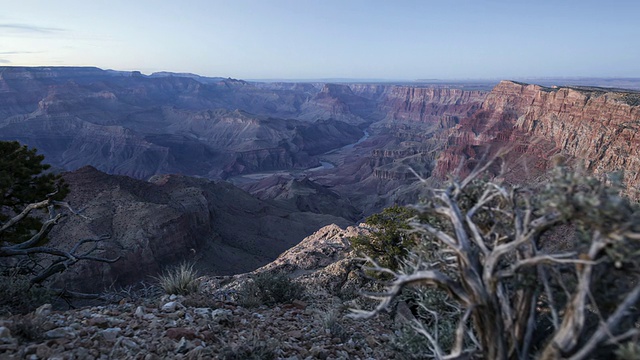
[130, 124]
[172, 218]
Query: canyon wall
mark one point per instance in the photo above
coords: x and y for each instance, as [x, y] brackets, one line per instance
[596, 126]
[422, 104]
[135, 125]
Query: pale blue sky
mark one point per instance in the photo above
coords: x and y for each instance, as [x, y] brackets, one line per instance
[300, 39]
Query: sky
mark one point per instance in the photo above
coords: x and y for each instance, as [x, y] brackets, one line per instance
[320, 39]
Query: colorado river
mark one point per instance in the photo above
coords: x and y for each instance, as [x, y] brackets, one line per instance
[324, 165]
[350, 146]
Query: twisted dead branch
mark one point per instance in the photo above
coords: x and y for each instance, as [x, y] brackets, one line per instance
[518, 298]
[61, 259]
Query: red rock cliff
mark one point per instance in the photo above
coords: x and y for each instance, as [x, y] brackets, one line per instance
[595, 125]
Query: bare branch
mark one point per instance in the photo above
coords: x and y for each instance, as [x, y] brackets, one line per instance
[425, 277]
[567, 336]
[14, 220]
[550, 298]
[67, 206]
[44, 231]
[524, 282]
[434, 346]
[460, 333]
[608, 327]
[542, 259]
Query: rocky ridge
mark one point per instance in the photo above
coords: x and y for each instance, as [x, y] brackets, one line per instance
[129, 124]
[140, 126]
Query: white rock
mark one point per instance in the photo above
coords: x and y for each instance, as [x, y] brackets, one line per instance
[183, 346]
[203, 312]
[130, 344]
[43, 310]
[110, 334]
[188, 317]
[219, 315]
[5, 335]
[61, 332]
[139, 313]
[171, 306]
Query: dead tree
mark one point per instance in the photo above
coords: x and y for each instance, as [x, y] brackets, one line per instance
[523, 289]
[58, 259]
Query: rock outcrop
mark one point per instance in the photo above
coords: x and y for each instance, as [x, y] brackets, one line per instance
[303, 194]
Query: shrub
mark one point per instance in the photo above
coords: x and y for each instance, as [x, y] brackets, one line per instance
[548, 272]
[24, 181]
[389, 241]
[30, 328]
[180, 280]
[268, 289]
[19, 296]
[330, 319]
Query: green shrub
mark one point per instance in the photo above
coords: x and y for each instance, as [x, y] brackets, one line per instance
[434, 314]
[30, 202]
[29, 328]
[268, 289]
[180, 280]
[389, 241]
[628, 351]
[330, 319]
[19, 296]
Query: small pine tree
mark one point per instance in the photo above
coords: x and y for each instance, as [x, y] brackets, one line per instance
[30, 200]
[389, 241]
[23, 181]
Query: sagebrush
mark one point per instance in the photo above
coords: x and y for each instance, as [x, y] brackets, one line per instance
[268, 288]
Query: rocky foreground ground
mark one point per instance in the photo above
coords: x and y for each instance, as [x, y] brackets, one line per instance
[216, 322]
[300, 330]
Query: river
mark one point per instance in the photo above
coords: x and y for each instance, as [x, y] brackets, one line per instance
[324, 165]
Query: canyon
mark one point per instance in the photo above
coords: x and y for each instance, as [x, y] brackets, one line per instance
[229, 174]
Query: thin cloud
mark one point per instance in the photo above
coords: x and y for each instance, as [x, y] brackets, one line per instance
[5, 61]
[19, 52]
[27, 28]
